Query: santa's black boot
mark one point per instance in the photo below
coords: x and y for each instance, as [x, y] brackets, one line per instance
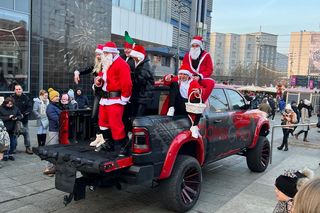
[122, 147]
[109, 142]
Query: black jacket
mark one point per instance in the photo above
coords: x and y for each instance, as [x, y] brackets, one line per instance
[86, 70]
[9, 123]
[82, 101]
[143, 81]
[24, 104]
[130, 62]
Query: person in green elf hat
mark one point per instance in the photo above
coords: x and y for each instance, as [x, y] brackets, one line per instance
[127, 48]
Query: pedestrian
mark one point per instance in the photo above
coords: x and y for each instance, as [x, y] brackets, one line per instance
[286, 187]
[307, 200]
[282, 105]
[10, 114]
[142, 82]
[289, 117]
[81, 99]
[24, 104]
[199, 62]
[115, 83]
[73, 103]
[53, 112]
[272, 104]
[93, 70]
[39, 109]
[296, 110]
[264, 106]
[181, 88]
[304, 120]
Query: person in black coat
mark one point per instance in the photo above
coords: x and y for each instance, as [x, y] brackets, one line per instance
[81, 99]
[23, 102]
[142, 81]
[9, 114]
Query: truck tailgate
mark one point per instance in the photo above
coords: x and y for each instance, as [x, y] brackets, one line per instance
[83, 158]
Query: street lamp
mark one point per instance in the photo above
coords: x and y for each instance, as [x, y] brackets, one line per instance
[180, 7]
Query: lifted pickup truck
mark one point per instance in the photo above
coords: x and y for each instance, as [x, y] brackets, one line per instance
[163, 149]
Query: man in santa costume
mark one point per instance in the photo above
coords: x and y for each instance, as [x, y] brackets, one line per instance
[94, 70]
[199, 62]
[115, 83]
[181, 87]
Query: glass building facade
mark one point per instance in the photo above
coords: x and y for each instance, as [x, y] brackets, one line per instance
[42, 48]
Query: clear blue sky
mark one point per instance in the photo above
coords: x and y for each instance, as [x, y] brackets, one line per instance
[279, 17]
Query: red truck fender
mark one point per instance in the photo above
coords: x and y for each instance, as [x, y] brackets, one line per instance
[260, 125]
[181, 139]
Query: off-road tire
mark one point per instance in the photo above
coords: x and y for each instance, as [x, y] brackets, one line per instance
[185, 181]
[258, 158]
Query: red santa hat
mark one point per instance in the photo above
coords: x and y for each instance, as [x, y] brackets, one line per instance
[185, 70]
[197, 40]
[99, 49]
[110, 47]
[138, 52]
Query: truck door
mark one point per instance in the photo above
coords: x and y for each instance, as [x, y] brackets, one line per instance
[217, 127]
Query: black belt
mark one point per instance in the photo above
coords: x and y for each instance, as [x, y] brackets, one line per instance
[116, 94]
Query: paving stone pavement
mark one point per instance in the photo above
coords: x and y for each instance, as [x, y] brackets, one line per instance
[228, 185]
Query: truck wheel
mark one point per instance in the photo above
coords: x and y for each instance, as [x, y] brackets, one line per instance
[258, 157]
[181, 191]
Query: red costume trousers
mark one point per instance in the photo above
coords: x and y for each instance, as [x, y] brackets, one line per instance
[208, 85]
[110, 116]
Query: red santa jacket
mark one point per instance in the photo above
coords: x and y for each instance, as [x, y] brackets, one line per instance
[117, 78]
[192, 84]
[205, 66]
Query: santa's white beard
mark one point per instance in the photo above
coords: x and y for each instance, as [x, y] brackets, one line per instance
[195, 52]
[106, 62]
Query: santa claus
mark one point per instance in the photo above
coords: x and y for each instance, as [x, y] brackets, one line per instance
[181, 87]
[115, 83]
[199, 62]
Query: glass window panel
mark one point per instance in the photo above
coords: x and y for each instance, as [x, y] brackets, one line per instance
[14, 50]
[236, 99]
[22, 5]
[115, 2]
[138, 6]
[218, 101]
[127, 4]
[6, 4]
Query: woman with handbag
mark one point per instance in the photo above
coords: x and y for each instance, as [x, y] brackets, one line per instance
[289, 117]
[39, 110]
[10, 114]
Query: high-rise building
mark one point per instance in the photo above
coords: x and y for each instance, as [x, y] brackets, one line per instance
[304, 53]
[230, 51]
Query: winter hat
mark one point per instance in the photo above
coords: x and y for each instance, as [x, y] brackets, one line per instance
[53, 94]
[307, 102]
[288, 107]
[129, 43]
[110, 47]
[71, 93]
[185, 70]
[138, 52]
[99, 49]
[290, 182]
[197, 40]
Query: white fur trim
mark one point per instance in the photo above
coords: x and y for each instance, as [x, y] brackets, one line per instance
[201, 76]
[187, 72]
[99, 51]
[109, 101]
[196, 41]
[110, 50]
[126, 99]
[137, 54]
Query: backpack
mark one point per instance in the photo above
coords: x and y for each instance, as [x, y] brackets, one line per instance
[4, 137]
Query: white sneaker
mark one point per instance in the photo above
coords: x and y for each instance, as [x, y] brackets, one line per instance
[102, 141]
[194, 131]
[99, 137]
[170, 111]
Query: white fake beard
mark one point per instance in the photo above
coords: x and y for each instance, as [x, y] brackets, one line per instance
[106, 62]
[195, 52]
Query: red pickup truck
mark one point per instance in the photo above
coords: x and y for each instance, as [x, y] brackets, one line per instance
[163, 150]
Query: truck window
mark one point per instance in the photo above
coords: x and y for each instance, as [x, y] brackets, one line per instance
[218, 101]
[236, 99]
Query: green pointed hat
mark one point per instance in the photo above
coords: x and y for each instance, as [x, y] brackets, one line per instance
[129, 43]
